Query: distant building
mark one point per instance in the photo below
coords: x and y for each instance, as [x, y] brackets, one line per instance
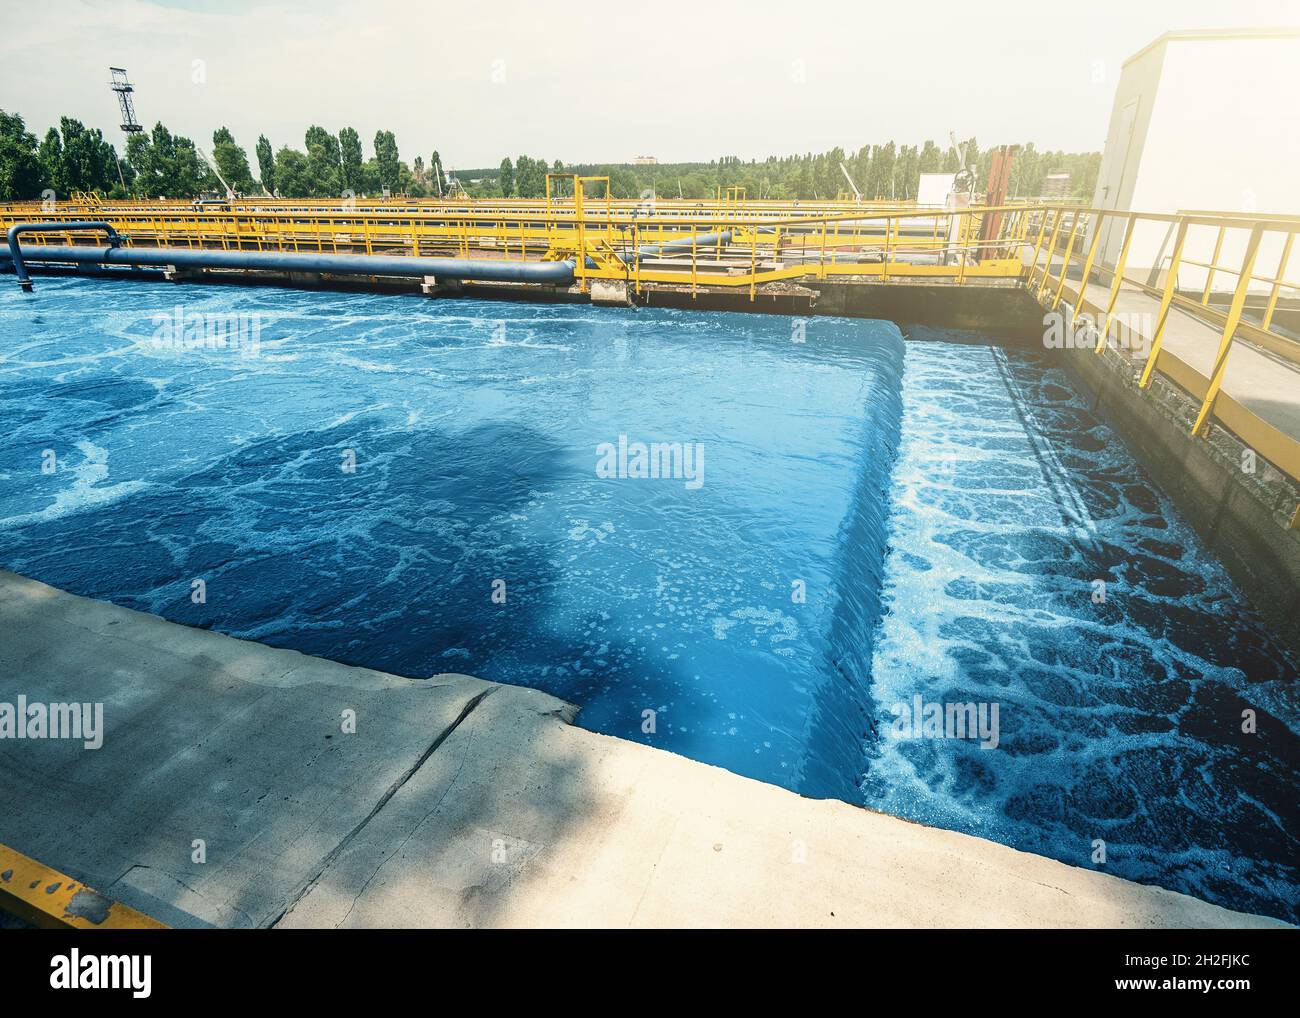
[933, 189]
[1056, 185]
[646, 161]
[1157, 158]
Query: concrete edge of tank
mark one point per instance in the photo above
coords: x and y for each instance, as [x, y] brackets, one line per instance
[227, 792]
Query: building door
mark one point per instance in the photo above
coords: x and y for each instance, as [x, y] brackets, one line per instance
[1117, 175]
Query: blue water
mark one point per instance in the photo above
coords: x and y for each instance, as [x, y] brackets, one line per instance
[943, 510]
[1121, 722]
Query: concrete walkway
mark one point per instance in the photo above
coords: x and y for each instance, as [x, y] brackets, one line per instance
[457, 802]
[1264, 383]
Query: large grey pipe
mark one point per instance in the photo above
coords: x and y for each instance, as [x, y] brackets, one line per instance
[685, 244]
[485, 270]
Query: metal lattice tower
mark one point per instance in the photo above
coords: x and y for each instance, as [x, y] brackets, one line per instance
[124, 88]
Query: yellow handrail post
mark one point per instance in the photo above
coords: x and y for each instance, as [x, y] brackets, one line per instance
[1229, 330]
[636, 262]
[963, 241]
[1051, 251]
[695, 269]
[580, 218]
[753, 262]
[1277, 281]
[1065, 265]
[1166, 299]
[1116, 284]
[1214, 261]
[1042, 231]
[889, 247]
[1087, 269]
[1017, 231]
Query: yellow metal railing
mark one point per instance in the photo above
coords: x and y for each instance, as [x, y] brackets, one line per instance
[1184, 256]
[1228, 271]
[718, 207]
[897, 242]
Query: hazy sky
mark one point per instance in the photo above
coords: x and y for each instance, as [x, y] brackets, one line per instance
[597, 81]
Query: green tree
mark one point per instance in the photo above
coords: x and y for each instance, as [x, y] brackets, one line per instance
[507, 177]
[906, 172]
[293, 178]
[168, 166]
[352, 159]
[50, 155]
[386, 159]
[405, 179]
[931, 158]
[152, 155]
[324, 163]
[265, 164]
[436, 173]
[20, 168]
[530, 177]
[90, 163]
[231, 160]
[623, 183]
[191, 174]
[74, 158]
[882, 171]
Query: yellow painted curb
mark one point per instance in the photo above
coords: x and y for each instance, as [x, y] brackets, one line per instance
[50, 900]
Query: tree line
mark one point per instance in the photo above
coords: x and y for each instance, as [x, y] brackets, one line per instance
[887, 171]
[157, 163]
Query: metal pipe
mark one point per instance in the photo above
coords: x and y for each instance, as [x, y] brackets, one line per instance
[672, 246]
[487, 270]
[16, 252]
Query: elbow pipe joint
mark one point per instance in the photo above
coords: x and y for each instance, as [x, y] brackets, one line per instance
[18, 229]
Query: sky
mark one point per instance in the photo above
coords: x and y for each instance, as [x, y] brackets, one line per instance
[597, 82]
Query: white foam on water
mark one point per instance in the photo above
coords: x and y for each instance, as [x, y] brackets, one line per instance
[987, 597]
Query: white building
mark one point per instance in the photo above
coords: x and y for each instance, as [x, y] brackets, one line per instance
[1203, 121]
[933, 189]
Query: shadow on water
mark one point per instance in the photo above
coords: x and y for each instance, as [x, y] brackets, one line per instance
[390, 573]
[392, 567]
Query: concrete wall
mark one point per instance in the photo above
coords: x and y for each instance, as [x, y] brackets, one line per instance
[1005, 314]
